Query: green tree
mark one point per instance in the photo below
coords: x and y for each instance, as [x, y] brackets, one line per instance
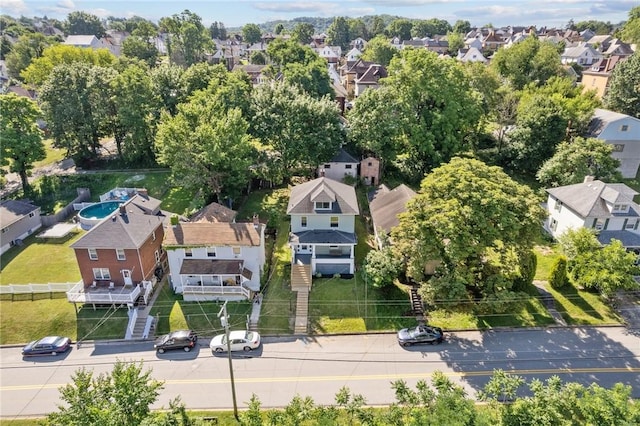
[381, 267]
[338, 33]
[461, 27]
[380, 51]
[251, 33]
[558, 276]
[136, 107]
[40, 68]
[303, 32]
[528, 61]
[455, 41]
[630, 32]
[430, 106]
[377, 26]
[28, 47]
[189, 40]
[599, 27]
[623, 94]
[574, 242]
[78, 104]
[502, 387]
[139, 44]
[574, 160]
[279, 28]
[20, 135]
[608, 269]
[123, 397]
[207, 147]
[299, 130]
[442, 222]
[401, 28]
[83, 23]
[258, 58]
[357, 28]
[167, 86]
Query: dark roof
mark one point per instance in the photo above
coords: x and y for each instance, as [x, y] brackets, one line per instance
[588, 199]
[343, 157]
[627, 238]
[374, 73]
[210, 234]
[13, 210]
[211, 267]
[343, 196]
[214, 212]
[323, 236]
[387, 205]
[123, 231]
[144, 203]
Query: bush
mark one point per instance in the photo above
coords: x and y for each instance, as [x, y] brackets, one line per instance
[528, 265]
[558, 276]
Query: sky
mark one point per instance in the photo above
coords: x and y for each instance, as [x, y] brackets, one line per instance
[550, 13]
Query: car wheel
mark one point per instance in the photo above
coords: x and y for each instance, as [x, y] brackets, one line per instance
[187, 348]
[160, 351]
[218, 350]
[247, 348]
[405, 344]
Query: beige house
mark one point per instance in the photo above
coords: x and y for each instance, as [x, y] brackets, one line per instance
[597, 76]
[370, 170]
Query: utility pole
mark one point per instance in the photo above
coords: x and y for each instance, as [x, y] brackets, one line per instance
[224, 319]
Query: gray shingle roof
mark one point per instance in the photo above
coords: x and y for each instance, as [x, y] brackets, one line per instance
[13, 210]
[300, 201]
[627, 238]
[127, 231]
[588, 198]
[601, 119]
[387, 205]
[323, 236]
[343, 157]
[210, 267]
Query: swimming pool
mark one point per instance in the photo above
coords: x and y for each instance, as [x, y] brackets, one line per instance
[94, 213]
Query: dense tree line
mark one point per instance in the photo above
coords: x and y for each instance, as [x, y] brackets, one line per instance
[125, 395]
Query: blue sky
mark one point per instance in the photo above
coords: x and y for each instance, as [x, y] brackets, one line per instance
[239, 12]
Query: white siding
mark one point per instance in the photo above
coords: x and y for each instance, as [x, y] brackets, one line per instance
[627, 144]
[346, 223]
[566, 218]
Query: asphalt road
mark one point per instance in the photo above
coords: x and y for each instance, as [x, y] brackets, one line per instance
[319, 367]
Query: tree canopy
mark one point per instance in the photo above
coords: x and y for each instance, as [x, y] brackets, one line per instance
[28, 47]
[623, 94]
[188, 40]
[574, 160]
[20, 135]
[83, 23]
[476, 222]
[380, 51]
[251, 33]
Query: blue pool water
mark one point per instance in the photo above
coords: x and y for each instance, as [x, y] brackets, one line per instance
[99, 210]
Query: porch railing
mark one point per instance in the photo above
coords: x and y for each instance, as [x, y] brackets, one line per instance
[217, 290]
[78, 295]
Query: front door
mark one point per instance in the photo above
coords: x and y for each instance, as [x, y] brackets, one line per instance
[126, 275]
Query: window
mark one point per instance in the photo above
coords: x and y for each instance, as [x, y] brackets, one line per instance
[188, 253]
[616, 207]
[323, 205]
[4, 230]
[618, 147]
[599, 224]
[303, 221]
[631, 224]
[624, 128]
[554, 224]
[558, 205]
[348, 166]
[157, 255]
[334, 221]
[327, 166]
[101, 274]
[211, 252]
[369, 164]
[93, 254]
[236, 251]
[120, 254]
[153, 236]
[32, 214]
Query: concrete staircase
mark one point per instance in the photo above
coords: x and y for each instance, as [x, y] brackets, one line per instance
[417, 307]
[302, 312]
[139, 326]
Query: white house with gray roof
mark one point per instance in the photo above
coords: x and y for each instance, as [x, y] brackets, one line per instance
[323, 233]
[608, 208]
[623, 132]
[18, 220]
[342, 164]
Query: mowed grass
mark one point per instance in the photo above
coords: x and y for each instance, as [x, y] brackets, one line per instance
[39, 262]
[546, 256]
[579, 307]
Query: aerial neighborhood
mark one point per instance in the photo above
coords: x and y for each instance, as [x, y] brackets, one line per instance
[315, 177]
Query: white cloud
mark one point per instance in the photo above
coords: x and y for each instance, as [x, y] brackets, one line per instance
[66, 4]
[14, 7]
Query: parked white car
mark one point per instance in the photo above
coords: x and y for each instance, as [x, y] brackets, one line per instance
[241, 340]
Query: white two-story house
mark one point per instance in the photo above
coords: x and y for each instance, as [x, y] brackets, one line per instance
[608, 208]
[323, 233]
[623, 132]
[215, 260]
[340, 166]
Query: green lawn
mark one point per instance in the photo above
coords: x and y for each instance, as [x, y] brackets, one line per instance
[546, 256]
[40, 262]
[579, 307]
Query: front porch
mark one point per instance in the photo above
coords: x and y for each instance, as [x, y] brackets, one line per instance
[110, 294]
[202, 280]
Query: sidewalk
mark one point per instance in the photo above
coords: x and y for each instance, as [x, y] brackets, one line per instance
[549, 302]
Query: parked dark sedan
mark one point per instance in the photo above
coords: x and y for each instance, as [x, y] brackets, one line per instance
[420, 334]
[180, 339]
[50, 345]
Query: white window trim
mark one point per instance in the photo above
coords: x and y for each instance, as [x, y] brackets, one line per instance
[337, 222]
[101, 274]
[93, 254]
[120, 255]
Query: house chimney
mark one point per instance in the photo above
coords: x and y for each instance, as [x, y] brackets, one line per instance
[588, 178]
[256, 221]
[142, 191]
